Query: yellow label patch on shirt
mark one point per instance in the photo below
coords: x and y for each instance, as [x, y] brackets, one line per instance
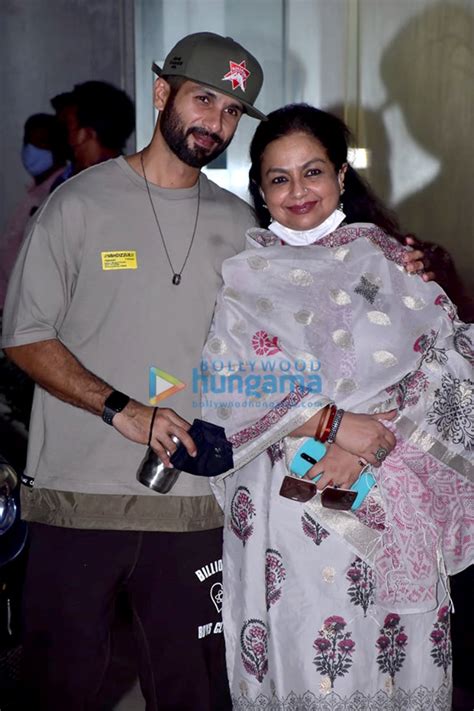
[119, 260]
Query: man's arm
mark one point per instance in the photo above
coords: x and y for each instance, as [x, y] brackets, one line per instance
[51, 365]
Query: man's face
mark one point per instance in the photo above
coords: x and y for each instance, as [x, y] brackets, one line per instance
[198, 123]
[68, 119]
[78, 137]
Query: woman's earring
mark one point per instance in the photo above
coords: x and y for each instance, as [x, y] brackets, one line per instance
[341, 206]
[262, 195]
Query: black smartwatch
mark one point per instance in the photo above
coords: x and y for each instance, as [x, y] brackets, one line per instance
[114, 403]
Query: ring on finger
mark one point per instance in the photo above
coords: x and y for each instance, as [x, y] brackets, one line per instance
[176, 441]
[380, 454]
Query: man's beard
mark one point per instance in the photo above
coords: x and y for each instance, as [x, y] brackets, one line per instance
[175, 135]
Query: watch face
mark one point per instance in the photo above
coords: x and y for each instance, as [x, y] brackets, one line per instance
[116, 401]
[114, 404]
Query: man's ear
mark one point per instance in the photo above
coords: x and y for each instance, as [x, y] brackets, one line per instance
[161, 92]
[84, 134]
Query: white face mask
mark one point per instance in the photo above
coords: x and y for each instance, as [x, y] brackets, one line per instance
[300, 239]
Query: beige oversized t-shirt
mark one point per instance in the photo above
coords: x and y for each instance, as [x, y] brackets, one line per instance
[93, 273]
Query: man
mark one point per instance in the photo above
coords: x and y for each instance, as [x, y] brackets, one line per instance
[114, 289]
[97, 119]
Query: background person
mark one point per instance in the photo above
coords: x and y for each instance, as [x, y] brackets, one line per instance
[359, 598]
[97, 119]
[43, 155]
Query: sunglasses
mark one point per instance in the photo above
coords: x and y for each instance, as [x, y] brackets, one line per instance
[302, 490]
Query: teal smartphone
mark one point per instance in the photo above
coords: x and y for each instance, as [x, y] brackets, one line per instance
[309, 454]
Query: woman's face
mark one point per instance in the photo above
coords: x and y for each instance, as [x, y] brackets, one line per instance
[300, 185]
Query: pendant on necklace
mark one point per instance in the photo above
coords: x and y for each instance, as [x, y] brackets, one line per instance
[176, 279]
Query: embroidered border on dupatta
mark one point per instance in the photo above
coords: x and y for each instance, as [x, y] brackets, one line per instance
[429, 444]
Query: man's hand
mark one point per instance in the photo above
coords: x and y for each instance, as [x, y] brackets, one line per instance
[134, 423]
[416, 261]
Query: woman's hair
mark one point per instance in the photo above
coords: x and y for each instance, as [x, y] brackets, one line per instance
[359, 201]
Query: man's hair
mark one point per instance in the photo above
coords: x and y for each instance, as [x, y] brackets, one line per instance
[104, 108]
[62, 101]
[175, 84]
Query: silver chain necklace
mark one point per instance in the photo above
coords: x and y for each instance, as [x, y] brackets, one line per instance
[176, 275]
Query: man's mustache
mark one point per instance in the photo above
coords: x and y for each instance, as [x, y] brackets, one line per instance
[202, 132]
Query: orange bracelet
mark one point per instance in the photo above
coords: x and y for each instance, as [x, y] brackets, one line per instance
[329, 422]
[325, 421]
[321, 421]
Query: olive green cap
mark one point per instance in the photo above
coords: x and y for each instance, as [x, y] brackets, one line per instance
[218, 62]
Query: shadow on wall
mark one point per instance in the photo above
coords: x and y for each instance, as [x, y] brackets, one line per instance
[373, 137]
[428, 72]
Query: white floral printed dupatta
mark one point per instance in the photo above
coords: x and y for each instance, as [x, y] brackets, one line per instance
[341, 320]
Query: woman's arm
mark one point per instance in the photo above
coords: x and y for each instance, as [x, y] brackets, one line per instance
[360, 435]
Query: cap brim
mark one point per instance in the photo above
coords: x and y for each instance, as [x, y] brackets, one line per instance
[248, 108]
[254, 113]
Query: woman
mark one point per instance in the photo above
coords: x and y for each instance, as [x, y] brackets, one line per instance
[323, 608]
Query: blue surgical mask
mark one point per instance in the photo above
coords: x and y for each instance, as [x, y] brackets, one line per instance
[36, 160]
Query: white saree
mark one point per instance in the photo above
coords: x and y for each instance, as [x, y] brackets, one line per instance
[332, 610]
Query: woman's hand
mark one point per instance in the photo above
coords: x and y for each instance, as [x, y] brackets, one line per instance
[365, 435]
[416, 261]
[339, 467]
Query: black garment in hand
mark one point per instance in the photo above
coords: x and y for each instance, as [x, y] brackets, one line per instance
[214, 451]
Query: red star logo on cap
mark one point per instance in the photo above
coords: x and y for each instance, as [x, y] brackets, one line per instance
[238, 75]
